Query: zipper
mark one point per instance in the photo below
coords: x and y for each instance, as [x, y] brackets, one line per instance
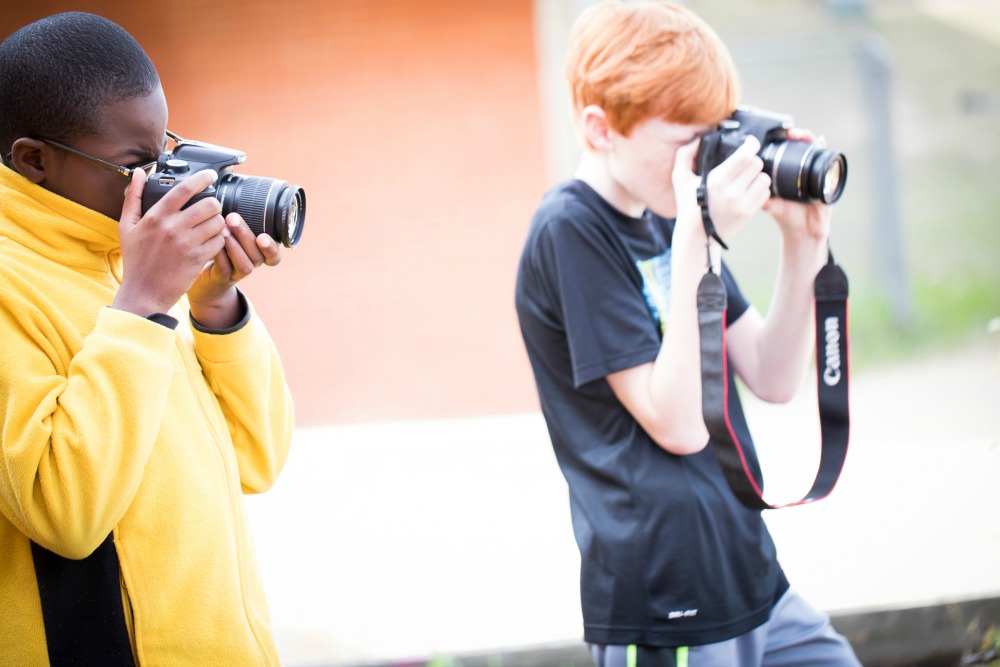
[129, 613]
[220, 444]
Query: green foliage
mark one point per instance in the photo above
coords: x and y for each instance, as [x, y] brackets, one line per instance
[945, 123]
[949, 158]
[989, 650]
[443, 661]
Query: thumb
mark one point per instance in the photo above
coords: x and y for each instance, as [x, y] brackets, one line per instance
[132, 208]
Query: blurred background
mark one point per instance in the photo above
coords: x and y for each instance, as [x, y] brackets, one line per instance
[421, 514]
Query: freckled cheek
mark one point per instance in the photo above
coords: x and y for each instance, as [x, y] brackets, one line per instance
[659, 162]
[647, 162]
[659, 171]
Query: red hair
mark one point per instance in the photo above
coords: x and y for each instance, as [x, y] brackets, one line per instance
[650, 60]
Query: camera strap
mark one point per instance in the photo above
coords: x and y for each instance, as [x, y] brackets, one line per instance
[830, 291]
[711, 144]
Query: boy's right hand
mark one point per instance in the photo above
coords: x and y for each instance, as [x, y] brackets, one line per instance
[738, 188]
[164, 250]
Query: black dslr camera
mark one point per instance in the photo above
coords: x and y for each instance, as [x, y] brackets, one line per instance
[799, 170]
[266, 204]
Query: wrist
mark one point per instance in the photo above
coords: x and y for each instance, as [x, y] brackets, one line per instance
[141, 305]
[219, 312]
[163, 320]
[692, 246]
[803, 250]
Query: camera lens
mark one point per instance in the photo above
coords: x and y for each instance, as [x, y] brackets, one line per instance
[266, 204]
[802, 171]
[832, 176]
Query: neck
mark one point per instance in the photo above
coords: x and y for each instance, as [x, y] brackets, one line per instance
[594, 170]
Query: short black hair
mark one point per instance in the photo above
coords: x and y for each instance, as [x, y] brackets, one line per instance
[57, 74]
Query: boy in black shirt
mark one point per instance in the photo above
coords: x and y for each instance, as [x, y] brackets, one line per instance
[674, 569]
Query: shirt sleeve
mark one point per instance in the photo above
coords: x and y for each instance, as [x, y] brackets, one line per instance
[245, 373]
[76, 439]
[244, 309]
[597, 297]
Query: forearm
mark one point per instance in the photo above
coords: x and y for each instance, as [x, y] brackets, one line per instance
[261, 434]
[220, 313]
[787, 336]
[75, 446]
[676, 382]
[665, 396]
[244, 371]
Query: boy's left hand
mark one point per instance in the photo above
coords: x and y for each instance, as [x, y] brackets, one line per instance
[213, 300]
[797, 219]
[808, 221]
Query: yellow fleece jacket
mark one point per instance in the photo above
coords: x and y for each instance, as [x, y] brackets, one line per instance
[109, 421]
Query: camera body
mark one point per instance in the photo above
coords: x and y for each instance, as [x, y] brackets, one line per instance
[267, 205]
[799, 170]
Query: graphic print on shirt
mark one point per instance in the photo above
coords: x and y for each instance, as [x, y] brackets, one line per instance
[655, 273]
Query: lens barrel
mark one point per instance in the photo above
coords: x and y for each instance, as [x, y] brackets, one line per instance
[267, 205]
[802, 171]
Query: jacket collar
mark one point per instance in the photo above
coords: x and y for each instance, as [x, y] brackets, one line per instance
[54, 226]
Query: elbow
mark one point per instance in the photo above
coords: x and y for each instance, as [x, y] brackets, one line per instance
[259, 473]
[80, 538]
[260, 479]
[681, 443]
[776, 397]
[770, 388]
[74, 544]
[80, 549]
[71, 527]
[254, 484]
[776, 394]
[679, 447]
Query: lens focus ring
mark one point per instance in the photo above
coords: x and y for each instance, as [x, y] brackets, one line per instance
[252, 203]
[790, 170]
[267, 205]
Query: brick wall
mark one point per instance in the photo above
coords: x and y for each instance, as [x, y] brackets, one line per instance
[414, 127]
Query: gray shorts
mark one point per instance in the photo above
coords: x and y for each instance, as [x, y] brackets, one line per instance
[796, 635]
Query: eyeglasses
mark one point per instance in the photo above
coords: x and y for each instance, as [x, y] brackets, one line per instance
[124, 171]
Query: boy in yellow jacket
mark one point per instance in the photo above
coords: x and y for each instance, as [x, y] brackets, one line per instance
[126, 438]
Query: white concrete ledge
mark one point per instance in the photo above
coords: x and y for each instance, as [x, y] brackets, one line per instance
[413, 539]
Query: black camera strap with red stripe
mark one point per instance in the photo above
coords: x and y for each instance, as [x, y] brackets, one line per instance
[830, 289]
[832, 380]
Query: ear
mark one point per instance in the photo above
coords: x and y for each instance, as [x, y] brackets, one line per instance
[29, 158]
[595, 127]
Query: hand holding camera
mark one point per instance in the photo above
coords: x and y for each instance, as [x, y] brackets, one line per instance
[739, 187]
[803, 175]
[242, 222]
[268, 205]
[800, 169]
[807, 220]
[166, 248]
[213, 304]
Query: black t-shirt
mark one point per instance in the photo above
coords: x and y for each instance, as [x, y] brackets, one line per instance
[669, 557]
